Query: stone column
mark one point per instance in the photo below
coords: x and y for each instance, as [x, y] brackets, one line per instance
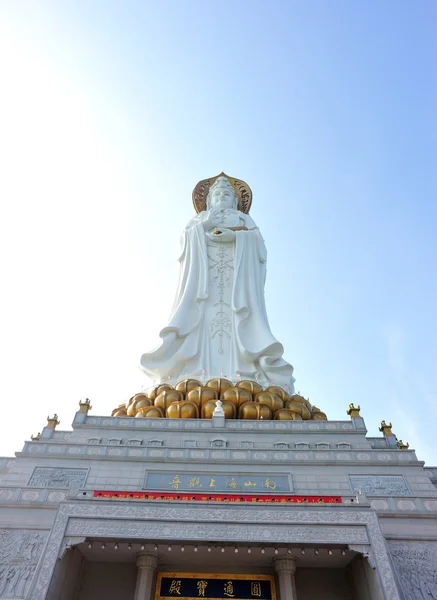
[146, 564]
[285, 568]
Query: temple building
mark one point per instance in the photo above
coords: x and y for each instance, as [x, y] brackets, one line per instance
[217, 480]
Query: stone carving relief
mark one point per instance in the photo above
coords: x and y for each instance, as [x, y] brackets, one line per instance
[115, 452]
[416, 566]
[114, 441]
[197, 454]
[280, 456]
[156, 453]
[30, 496]
[383, 457]
[260, 456]
[94, 451]
[220, 531]
[406, 505]
[135, 453]
[218, 443]
[302, 446]
[19, 554]
[6, 495]
[176, 454]
[74, 450]
[56, 497]
[379, 485]
[246, 445]
[218, 454]
[58, 478]
[94, 441]
[379, 504]
[190, 444]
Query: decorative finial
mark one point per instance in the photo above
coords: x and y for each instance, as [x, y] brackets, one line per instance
[35, 438]
[52, 422]
[84, 405]
[218, 410]
[403, 446]
[386, 429]
[353, 412]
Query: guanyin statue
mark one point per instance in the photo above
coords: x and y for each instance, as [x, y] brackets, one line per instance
[218, 325]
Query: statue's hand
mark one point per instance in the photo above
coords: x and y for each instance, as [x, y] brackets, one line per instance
[222, 235]
[211, 221]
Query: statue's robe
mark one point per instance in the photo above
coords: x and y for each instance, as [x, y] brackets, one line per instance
[218, 325]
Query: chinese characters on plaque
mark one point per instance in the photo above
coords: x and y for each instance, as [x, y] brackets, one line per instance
[201, 585]
[217, 482]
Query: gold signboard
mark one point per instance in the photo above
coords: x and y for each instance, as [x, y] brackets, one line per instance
[214, 586]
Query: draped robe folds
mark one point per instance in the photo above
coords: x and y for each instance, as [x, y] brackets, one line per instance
[218, 326]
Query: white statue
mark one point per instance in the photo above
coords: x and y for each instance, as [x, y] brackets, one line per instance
[218, 326]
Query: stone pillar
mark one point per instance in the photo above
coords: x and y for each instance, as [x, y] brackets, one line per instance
[146, 564]
[285, 568]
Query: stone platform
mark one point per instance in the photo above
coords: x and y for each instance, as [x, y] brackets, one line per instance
[318, 505]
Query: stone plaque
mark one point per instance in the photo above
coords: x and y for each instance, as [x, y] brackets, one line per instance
[219, 482]
[192, 586]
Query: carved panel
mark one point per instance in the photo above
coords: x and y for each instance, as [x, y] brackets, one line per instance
[190, 444]
[19, 554]
[406, 505]
[219, 531]
[218, 443]
[416, 566]
[58, 478]
[246, 445]
[114, 441]
[379, 504]
[379, 485]
[302, 446]
[6, 495]
[137, 452]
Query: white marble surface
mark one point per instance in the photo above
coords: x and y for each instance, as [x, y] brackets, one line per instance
[219, 326]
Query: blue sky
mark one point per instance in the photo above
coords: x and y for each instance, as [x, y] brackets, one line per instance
[111, 112]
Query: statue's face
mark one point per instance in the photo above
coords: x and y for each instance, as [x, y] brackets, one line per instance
[222, 197]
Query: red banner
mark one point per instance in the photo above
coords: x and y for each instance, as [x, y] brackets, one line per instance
[219, 497]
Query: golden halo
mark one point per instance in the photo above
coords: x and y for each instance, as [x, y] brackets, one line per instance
[242, 191]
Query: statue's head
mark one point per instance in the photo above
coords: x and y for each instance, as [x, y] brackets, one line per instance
[221, 195]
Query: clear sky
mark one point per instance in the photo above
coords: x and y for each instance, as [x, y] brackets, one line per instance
[110, 112]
